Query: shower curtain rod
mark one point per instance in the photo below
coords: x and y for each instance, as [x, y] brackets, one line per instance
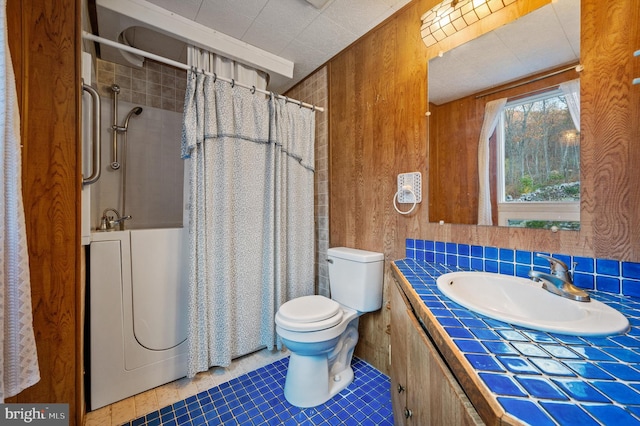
[101, 40]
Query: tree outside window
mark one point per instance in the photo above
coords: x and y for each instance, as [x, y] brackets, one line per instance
[539, 161]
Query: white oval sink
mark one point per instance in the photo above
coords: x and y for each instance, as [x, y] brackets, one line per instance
[523, 302]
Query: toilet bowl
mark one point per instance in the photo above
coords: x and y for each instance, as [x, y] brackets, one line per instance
[321, 333]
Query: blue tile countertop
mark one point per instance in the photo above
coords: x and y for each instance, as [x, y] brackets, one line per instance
[541, 378]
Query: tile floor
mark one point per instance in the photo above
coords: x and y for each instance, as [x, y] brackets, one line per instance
[249, 392]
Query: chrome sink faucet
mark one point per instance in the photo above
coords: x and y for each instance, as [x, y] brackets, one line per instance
[559, 281]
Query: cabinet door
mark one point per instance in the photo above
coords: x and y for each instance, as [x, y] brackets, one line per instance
[400, 325]
[433, 394]
[420, 389]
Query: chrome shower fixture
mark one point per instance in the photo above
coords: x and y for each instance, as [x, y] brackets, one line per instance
[134, 111]
[115, 163]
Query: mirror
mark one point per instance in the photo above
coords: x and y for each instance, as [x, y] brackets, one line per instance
[541, 50]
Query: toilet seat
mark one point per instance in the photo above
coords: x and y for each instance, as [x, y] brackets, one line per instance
[309, 313]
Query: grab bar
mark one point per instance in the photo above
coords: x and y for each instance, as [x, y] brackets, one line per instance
[96, 165]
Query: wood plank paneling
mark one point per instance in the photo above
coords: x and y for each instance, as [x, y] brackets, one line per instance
[363, 183]
[634, 138]
[374, 100]
[609, 37]
[44, 43]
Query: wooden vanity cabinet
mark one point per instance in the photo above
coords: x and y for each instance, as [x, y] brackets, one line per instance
[423, 389]
[400, 323]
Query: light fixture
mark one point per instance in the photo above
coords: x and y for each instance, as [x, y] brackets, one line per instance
[449, 17]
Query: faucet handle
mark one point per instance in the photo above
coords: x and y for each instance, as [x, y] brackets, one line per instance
[122, 219]
[556, 265]
[104, 223]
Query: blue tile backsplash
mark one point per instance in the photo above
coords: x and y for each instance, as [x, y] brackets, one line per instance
[607, 275]
[538, 377]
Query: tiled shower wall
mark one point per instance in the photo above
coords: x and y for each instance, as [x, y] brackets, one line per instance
[154, 85]
[314, 90]
[154, 167]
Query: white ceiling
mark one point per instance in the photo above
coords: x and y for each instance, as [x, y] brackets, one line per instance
[544, 39]
[291, 29]
[294, 31]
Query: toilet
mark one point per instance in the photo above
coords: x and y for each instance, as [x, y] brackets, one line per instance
[321, 333]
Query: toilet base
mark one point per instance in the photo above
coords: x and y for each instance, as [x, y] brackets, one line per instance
[313, 379]
[305, 390]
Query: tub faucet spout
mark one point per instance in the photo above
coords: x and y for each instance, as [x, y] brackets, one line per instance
[559, 280]
[108, 223]
[120, 222]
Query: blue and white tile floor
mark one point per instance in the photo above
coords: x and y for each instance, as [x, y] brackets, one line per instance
[256, 398]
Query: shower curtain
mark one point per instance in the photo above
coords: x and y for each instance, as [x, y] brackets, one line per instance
[251, 234]
[18, 354]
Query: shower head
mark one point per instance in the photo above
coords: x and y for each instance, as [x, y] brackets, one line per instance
[134, 111]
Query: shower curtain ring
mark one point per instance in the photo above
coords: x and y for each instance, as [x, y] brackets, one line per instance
[233, 83]
[286, 100]
[253, 90]
[215, 77]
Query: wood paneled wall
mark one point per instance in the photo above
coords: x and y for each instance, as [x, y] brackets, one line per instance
[377, 106]
[611, 128]
[454, 130]
[43, 39]
[378, 128]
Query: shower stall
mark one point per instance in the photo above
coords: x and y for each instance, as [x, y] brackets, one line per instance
[136, 298]
[136, 290]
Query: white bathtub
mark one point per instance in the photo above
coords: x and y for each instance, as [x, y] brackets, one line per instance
[138, 312]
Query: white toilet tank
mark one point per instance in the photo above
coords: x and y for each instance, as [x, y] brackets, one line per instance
[355, 278]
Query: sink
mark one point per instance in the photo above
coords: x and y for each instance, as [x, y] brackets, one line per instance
[523, 302]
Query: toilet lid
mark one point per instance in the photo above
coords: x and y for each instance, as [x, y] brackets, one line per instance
[309, 313]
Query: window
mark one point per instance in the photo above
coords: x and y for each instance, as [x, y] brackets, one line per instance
[538, 164]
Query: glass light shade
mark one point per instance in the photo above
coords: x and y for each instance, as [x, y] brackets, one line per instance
[445, 19]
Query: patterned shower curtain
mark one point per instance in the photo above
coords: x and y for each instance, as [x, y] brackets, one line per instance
[251, 227]
[18, 355]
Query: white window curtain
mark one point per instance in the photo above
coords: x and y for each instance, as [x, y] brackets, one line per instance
[571, 91]
[18, 346]
[251, 229]
[492, 111]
